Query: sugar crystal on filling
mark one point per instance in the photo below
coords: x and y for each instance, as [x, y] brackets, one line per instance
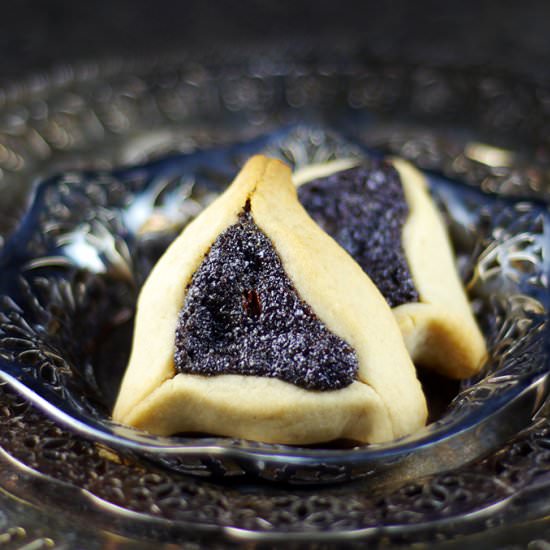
[243, 315]
[364, 209]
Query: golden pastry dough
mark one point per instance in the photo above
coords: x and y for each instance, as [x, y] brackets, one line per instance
[385, 402]
[440, 331]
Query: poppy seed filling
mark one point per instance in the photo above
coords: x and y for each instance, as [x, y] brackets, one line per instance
[364, 209]
[242, 315]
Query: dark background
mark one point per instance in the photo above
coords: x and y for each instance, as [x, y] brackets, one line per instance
[509, 35]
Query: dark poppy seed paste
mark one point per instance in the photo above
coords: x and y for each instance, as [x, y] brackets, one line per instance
[364, 210]
[242, 315]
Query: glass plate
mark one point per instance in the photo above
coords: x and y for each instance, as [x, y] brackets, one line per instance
[70, 273]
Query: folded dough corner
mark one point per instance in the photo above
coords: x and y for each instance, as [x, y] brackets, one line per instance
[256, 324]
[381, 212]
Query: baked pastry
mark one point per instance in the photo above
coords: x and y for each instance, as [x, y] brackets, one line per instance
[256, 324]
[381, 212]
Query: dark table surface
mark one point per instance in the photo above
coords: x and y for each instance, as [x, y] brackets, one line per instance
[506, 34]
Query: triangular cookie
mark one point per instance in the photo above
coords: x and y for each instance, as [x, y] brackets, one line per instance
[256, 324]
[382, 214]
